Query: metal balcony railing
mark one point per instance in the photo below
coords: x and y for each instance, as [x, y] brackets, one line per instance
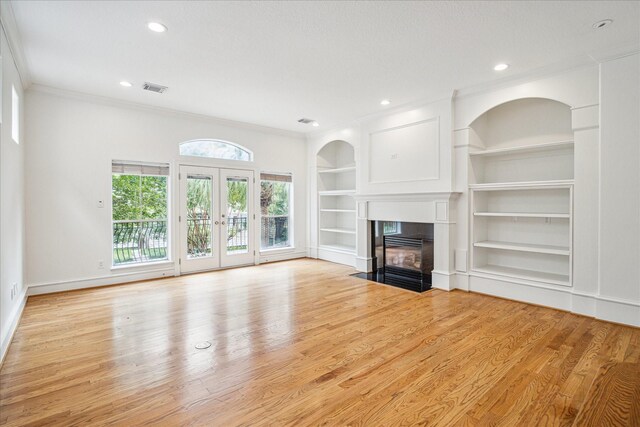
[199, 235]
[139, 241]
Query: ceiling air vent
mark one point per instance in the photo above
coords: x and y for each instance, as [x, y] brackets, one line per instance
[305, 121]
[154, 87]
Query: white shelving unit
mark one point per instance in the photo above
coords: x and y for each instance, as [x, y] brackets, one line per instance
[336, 188]
[521, 190]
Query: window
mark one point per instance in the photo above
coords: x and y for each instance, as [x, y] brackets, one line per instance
[275, 209]
[139, 212]
[215, 149]
[15, 115]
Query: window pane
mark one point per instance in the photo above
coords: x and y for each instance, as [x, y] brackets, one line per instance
[154, 197]
[126, 197]
[237, 214]
[199, 213]
[215, 149]
[275, 198]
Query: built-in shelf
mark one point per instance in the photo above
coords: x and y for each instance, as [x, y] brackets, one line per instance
[521, 184]
[538, 276]
[523, 214]
[338, 170]
[336, 181]
[339, 210]
[339, 248]
[558, 145]
[522, 247]
[337, 193]
[339, 230]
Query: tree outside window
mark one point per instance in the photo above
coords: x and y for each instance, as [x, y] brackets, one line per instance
[275, 209]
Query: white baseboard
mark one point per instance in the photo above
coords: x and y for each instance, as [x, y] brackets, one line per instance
[462, 281]
[443, 280]
[364, 264]
[598, 306]
[10, 327]
[337, 257]
[618, 311]
[281, 256]
[312, 252]
[114, 279]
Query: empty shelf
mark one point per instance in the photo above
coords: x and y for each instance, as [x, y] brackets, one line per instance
[524, 247]
[337, 193]
[338, 170]
[521, 185]
[523, 214]
[540, 276]
[548, 146]
[339, 230]
[339, 210]
[339, 248]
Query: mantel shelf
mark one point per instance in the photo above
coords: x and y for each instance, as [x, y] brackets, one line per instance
[521, 247]
[548, 146]
[338, 170]
[523, 214]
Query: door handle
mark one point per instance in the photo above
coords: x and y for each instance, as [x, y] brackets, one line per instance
[222, 222]
[216, 223]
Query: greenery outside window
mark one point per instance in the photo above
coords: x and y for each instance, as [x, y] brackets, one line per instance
[275, 210]
[215, 149]
[139, 212]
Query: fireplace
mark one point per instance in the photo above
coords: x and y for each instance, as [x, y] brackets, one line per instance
[402, 254]
[408, 256]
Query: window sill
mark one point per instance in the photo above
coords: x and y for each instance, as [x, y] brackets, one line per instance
[164, 263]
[278, 250]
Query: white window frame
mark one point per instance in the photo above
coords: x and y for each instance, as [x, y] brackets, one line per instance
[169, 250]
[291, 246]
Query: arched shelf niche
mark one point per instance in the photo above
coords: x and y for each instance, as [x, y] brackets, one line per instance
[529, 139]
[521, 183]
[336, 204]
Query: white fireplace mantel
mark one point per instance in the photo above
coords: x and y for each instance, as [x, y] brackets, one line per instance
[438, 208]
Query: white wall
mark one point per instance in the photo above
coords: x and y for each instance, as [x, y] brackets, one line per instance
[620, 186]
[12, 224]
[407, 151]
[72, 141]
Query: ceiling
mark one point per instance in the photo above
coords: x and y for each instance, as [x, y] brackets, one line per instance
[271, 63]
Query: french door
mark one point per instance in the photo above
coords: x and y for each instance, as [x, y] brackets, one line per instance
[216, 218]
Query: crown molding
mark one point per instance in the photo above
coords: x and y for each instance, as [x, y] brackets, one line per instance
[617, 53]
[8, 21]
[97, 99]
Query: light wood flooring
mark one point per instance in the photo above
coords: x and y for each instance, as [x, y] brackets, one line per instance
[302, 343]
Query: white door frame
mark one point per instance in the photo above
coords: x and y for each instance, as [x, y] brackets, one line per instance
[219, 257]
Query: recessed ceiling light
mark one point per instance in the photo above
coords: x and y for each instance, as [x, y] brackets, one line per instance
[125, 84]
[385, 102]
[156, 27]
[315, 124]
[603, 23]
[501, 67]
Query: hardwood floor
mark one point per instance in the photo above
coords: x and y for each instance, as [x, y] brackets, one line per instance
[302, 343]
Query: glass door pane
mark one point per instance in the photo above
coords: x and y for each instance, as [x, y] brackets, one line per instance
[237, 216]
[199, 216]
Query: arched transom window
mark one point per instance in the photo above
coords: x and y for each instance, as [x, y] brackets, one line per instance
[215, 149]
